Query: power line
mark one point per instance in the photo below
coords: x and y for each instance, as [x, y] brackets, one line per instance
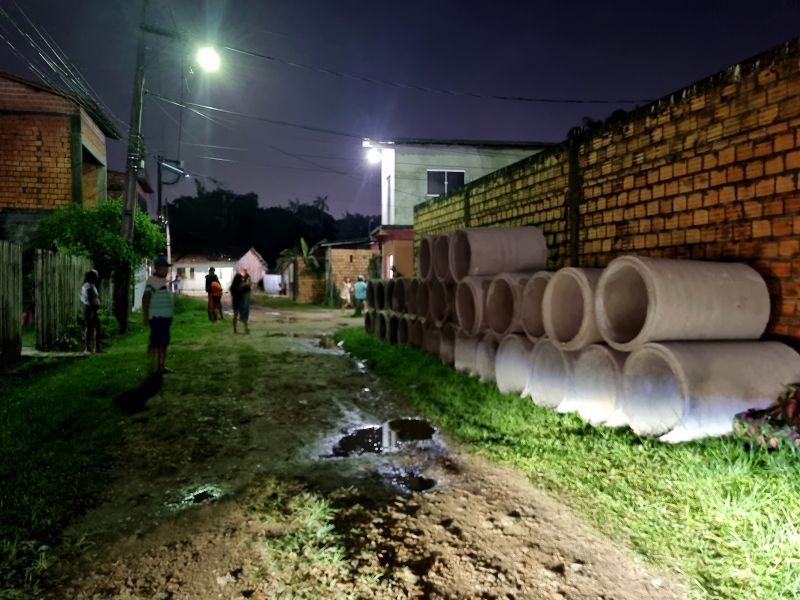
[254, 117]
[431, 90]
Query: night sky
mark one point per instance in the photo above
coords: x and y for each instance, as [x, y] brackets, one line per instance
[630, 50]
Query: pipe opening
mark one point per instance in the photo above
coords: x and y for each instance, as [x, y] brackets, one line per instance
[383, 326]
[566, 308]
[368, 325]
[437, 301]
[423, 297]
[624, 302]
[394, 325]
[652, 396]
[461, 255]
[425, 252]
[465, 307]
[380, 295]
[402, 331]
[441, 258]
[532, 321]
[549, 376]
[500, 306]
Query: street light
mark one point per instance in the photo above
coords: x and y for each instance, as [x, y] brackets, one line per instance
[208, 59]
[374, 156]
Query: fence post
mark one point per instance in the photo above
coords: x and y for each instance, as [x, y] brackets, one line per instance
[57, 292]
[10, 301]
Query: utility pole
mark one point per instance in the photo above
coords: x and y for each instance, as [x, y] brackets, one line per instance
[122, 280]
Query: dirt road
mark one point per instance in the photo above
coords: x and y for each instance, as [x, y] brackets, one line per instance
[248, 440]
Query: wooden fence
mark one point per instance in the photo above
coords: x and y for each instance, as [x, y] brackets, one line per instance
[10, 301]
[58, 285]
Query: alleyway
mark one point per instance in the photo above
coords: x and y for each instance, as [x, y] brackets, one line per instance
[240, 452]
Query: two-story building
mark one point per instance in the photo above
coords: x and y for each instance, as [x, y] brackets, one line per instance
[52, 153]
[416, 170]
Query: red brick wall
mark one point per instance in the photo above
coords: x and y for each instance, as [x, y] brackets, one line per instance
[35, 168]
[710, 172]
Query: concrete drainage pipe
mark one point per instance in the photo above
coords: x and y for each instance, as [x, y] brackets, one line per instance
[369, 324]
[388, 292]
[641, 300]
[441, 259]
[425, 258]
[402, 330]
[492, 250]
[423, 296]
[380, 294]
[394, 325]
[382, 325]
[597, 386]
[531, 311]
[399, 295]
[568, 308]
[504, 303]
[549, 374]
[412, 286]
[415, 327]
[440, 301]
[465, 352]
[431, 339]
[471, 304]
[448, 343]
[371, 294]
[485, 356]
[687, 390]
[511, 364]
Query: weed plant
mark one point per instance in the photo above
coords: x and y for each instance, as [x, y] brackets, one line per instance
[722, 515]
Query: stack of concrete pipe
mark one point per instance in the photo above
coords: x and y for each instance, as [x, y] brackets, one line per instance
[447, 311]
[667, 347]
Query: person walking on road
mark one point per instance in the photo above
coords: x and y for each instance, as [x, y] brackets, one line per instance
[240, 294]
[158, 310]
[361, 294]
[212, 310]
[90, 299]
[346, 294]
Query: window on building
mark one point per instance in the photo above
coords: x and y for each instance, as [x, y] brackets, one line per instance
[444, 182]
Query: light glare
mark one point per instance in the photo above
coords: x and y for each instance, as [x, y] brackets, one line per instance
[208, 59]
[374, 156]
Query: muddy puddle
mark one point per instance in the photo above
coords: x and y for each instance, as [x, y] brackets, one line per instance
[402, 451]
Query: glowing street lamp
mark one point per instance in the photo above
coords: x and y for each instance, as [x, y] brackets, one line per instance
[208, 59]
[374, 156]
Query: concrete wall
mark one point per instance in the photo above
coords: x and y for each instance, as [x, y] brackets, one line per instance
[412, 162]
[710, 172]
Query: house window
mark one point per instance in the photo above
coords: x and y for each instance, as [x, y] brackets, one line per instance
[444, 182]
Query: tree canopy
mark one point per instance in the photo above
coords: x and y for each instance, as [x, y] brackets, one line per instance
[95, 233]
[219, 221]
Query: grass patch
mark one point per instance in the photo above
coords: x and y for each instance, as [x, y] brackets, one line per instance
[59, 429]
[722, 515]
[304, 556]
[283, 303]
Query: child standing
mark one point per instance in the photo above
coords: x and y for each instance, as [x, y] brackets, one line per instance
[157, 310]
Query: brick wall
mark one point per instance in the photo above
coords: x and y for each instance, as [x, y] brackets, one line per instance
[35, 167]
[710, 172]
[310, 287]
[342, 266]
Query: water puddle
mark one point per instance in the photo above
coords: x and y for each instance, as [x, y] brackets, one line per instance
[385, 438]
[414, 482]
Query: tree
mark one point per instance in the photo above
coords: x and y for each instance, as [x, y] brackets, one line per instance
[303, 253]
[94, 233]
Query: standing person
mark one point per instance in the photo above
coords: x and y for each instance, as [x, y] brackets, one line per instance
[240, 294]
[361, 294]
[211, 278]
[216, 300]
[176, 284]
[157, 310]
[90, 299]
[346, 294]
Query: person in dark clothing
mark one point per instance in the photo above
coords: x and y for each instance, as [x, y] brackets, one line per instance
[240, 294]
[213, 299]
[90, 299]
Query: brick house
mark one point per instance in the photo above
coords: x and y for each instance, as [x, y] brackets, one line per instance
[52, 153]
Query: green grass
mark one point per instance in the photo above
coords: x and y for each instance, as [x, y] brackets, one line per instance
[723, 516]
[59, 427]
[282, 303]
